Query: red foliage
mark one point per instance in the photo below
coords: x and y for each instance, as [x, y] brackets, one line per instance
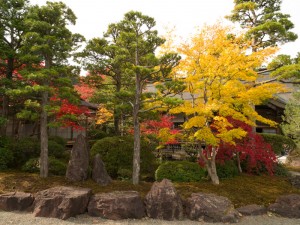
[67, 111]
[68, 108]
[84, 90]
[155, 126]
[254, 152]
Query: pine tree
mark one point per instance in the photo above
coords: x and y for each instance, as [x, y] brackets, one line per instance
[48, 44]
[12, 27]
[265, 24]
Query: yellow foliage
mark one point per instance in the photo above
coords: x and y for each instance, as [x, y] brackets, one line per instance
[230, 136]
[220, 75]
[206, 134]
[164, 135]
[103, 115]
[196, 121]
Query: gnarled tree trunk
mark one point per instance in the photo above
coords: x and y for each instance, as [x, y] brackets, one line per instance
[210, 164]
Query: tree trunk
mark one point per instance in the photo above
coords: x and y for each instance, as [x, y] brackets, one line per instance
[210, 164]
[136, 123]
[44, 127]
[117, 115]
[44, 137]
[212, 172]
[116, 122]
[239, 162]
[137, 147]
[137, 133]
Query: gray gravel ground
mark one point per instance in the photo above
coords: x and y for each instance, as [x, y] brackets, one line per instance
[18, 218]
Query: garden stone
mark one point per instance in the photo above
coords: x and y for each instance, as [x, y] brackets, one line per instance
[252, 210]
[287, 206]
[117, 205]
[99, 173]
[61, 202]
[211, 208]
[295, 181]
[163, 201]
[16, 201]
[79, 161]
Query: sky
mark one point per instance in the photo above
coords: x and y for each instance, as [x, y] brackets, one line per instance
[94, 16]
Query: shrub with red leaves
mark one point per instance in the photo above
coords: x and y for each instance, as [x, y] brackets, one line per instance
[255, 154]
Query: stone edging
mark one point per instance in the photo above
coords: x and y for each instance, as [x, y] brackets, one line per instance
[162, 202]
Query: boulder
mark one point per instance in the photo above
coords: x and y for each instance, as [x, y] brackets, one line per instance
[79, 161]
[295, 181]
[211, 208]
[99, 173]
[61, 202]
[117, 205]
[252, 210]
[16, 201]
[287, 206]
[163, 202]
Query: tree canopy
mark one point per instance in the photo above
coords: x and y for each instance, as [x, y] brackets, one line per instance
[47, 45]
[220, 76]
[264, 22]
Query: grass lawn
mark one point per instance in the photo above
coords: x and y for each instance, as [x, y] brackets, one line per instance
[241, 190]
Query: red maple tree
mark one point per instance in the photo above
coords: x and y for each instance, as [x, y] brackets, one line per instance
[162, 129]
[68, 114]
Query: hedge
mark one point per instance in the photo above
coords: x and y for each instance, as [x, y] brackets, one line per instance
[180, 171]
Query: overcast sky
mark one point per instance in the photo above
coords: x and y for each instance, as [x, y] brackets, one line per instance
[95, 15]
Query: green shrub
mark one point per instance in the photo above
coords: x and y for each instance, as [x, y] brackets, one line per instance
[280, 170]
[227, 170]
[5, 141]
[124, 174]
[117, 154]
[56, 150]
[25, 149]
[281, 145]
[6, 158]
[31, 166]
[97, 134]
[6, 155]
[56, 167]
[180, 171]
[58, 140]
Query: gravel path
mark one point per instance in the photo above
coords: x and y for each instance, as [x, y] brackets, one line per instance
[18, 218]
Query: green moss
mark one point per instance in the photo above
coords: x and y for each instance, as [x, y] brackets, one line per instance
[244, 189]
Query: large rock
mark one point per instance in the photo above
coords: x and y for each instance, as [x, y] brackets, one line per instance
[295, 181]
[16, 201]
[61, 202]
[163, 202]
[99, 173]
[117, 205]
[211, 208]
[79, 161]
[287, 206]
[252, 210]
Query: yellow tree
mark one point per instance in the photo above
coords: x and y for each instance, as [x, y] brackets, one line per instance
[220, 76]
